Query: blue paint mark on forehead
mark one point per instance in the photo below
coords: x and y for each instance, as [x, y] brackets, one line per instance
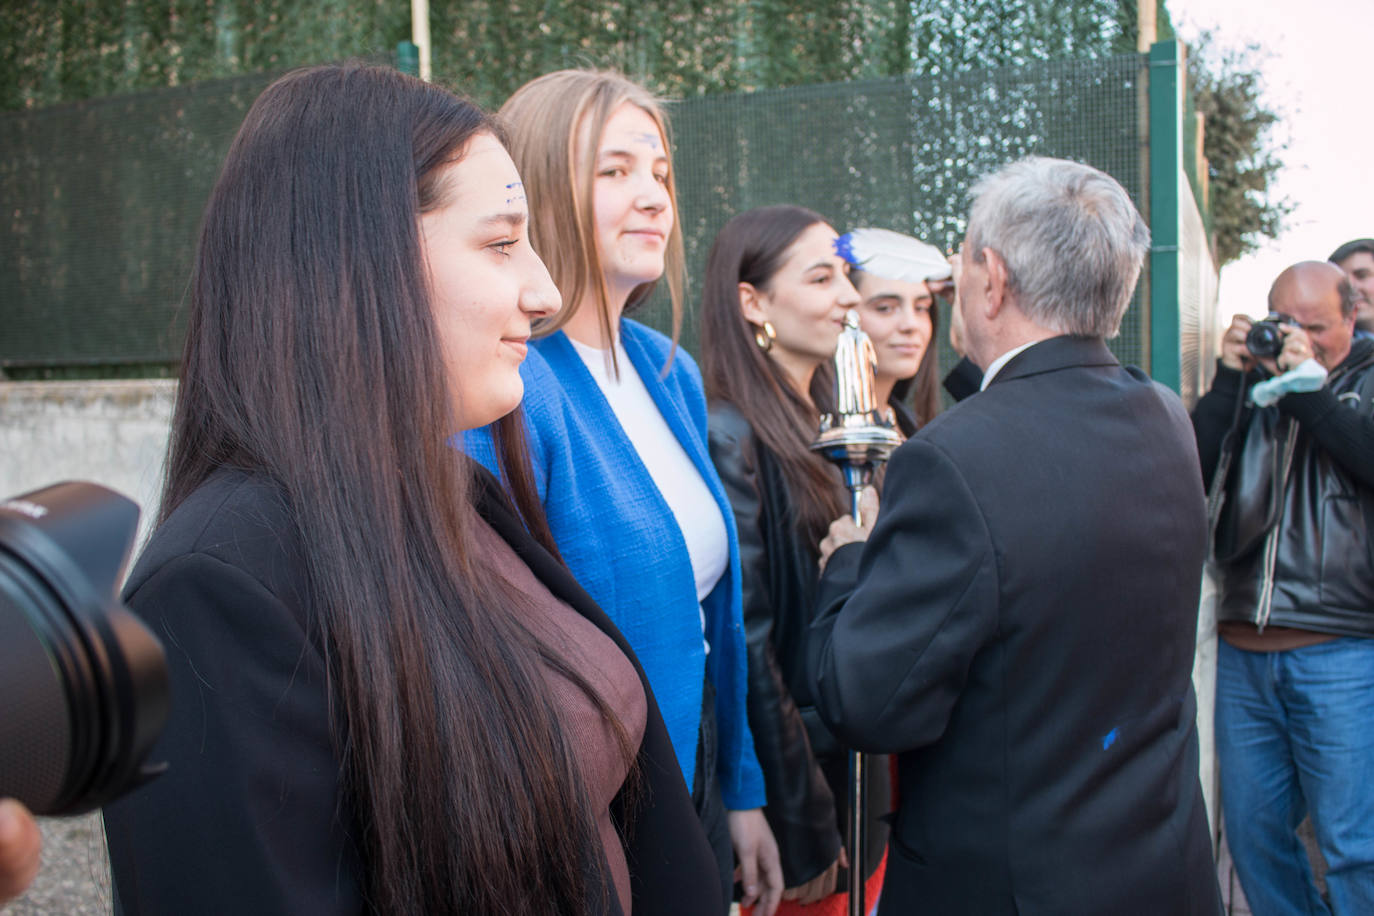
[649, 138]
[518, 192]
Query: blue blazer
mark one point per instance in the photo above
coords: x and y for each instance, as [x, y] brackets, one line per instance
[622, 542]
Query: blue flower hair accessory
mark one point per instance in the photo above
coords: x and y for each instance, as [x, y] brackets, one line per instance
[892, 255]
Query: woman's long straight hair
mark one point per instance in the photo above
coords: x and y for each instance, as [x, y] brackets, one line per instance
[312, 359]
[751, 248]
[555, 123]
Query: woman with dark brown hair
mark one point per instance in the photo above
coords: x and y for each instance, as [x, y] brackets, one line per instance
[389, 696]
[773, 304]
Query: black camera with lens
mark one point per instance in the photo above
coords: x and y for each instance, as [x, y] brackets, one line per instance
[1265, 340]
[84, 682]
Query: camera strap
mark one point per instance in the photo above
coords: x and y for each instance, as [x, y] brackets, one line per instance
[1216, 493]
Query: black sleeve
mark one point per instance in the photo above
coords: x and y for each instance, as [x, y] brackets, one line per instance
[247, 818]
[1213, 414]
[1344, 434]
[800, 808]
[889, 653]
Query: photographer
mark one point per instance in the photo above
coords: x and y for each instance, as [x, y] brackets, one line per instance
[20, 844]
[1290, 462]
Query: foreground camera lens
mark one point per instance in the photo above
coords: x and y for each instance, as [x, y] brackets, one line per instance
[35, 727]
[84, 682]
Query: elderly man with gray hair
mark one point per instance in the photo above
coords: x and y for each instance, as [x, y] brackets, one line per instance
[1018, 624]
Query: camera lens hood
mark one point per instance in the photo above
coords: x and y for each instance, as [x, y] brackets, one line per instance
[84, 681]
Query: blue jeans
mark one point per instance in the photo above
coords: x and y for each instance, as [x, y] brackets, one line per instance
[1295, 734]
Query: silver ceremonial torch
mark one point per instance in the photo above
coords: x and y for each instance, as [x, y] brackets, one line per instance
[857, 438]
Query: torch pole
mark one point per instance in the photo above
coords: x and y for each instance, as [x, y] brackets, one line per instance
[856, 438]
[856, 828]
[856, 833]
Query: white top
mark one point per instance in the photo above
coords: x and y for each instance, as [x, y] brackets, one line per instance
[677, 479]
[1001, 361]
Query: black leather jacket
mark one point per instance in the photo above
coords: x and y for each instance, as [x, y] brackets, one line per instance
[1292, 530]
[805, 769]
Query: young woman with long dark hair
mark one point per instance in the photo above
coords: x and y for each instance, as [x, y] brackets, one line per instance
[389, 696]
[617, 429]
[773, 304]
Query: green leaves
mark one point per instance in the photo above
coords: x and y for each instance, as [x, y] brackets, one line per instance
[69, 50]
[1243, 156]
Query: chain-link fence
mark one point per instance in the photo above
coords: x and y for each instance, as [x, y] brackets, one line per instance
[102, 207]
[899, 153]
[103, 199]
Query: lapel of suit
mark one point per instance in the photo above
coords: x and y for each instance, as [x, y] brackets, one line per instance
[676, 413]
[673, 408]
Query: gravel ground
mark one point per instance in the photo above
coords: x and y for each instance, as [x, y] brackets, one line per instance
[75, 877]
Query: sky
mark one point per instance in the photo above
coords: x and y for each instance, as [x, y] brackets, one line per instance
[1317, 58]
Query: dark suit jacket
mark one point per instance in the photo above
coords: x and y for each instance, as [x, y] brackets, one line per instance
[249, 817]
[1020, 627]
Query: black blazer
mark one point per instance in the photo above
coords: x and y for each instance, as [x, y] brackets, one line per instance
[249, 819]
[1020, 627]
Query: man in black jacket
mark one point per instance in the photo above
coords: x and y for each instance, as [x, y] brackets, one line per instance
[1295, 668]
[1019, 626]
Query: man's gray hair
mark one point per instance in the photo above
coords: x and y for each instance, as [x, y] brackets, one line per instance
[1072, 241]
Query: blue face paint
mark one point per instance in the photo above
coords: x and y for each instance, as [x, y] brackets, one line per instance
[1110, 738]
[648, 138]
[519, 193]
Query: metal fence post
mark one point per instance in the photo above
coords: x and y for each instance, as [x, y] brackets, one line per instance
[408, 57]
[1166, 173]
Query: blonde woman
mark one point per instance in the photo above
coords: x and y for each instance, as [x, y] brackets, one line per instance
[616, 421]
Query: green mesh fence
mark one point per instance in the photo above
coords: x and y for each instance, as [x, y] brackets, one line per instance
[102, 204]
[102, 199]
[898, 153]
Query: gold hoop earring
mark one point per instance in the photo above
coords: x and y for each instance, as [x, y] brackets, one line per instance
[765, 336]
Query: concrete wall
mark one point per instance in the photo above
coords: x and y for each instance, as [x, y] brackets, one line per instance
[110, 432]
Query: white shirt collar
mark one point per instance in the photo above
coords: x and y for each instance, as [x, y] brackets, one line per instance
[1001, 361]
